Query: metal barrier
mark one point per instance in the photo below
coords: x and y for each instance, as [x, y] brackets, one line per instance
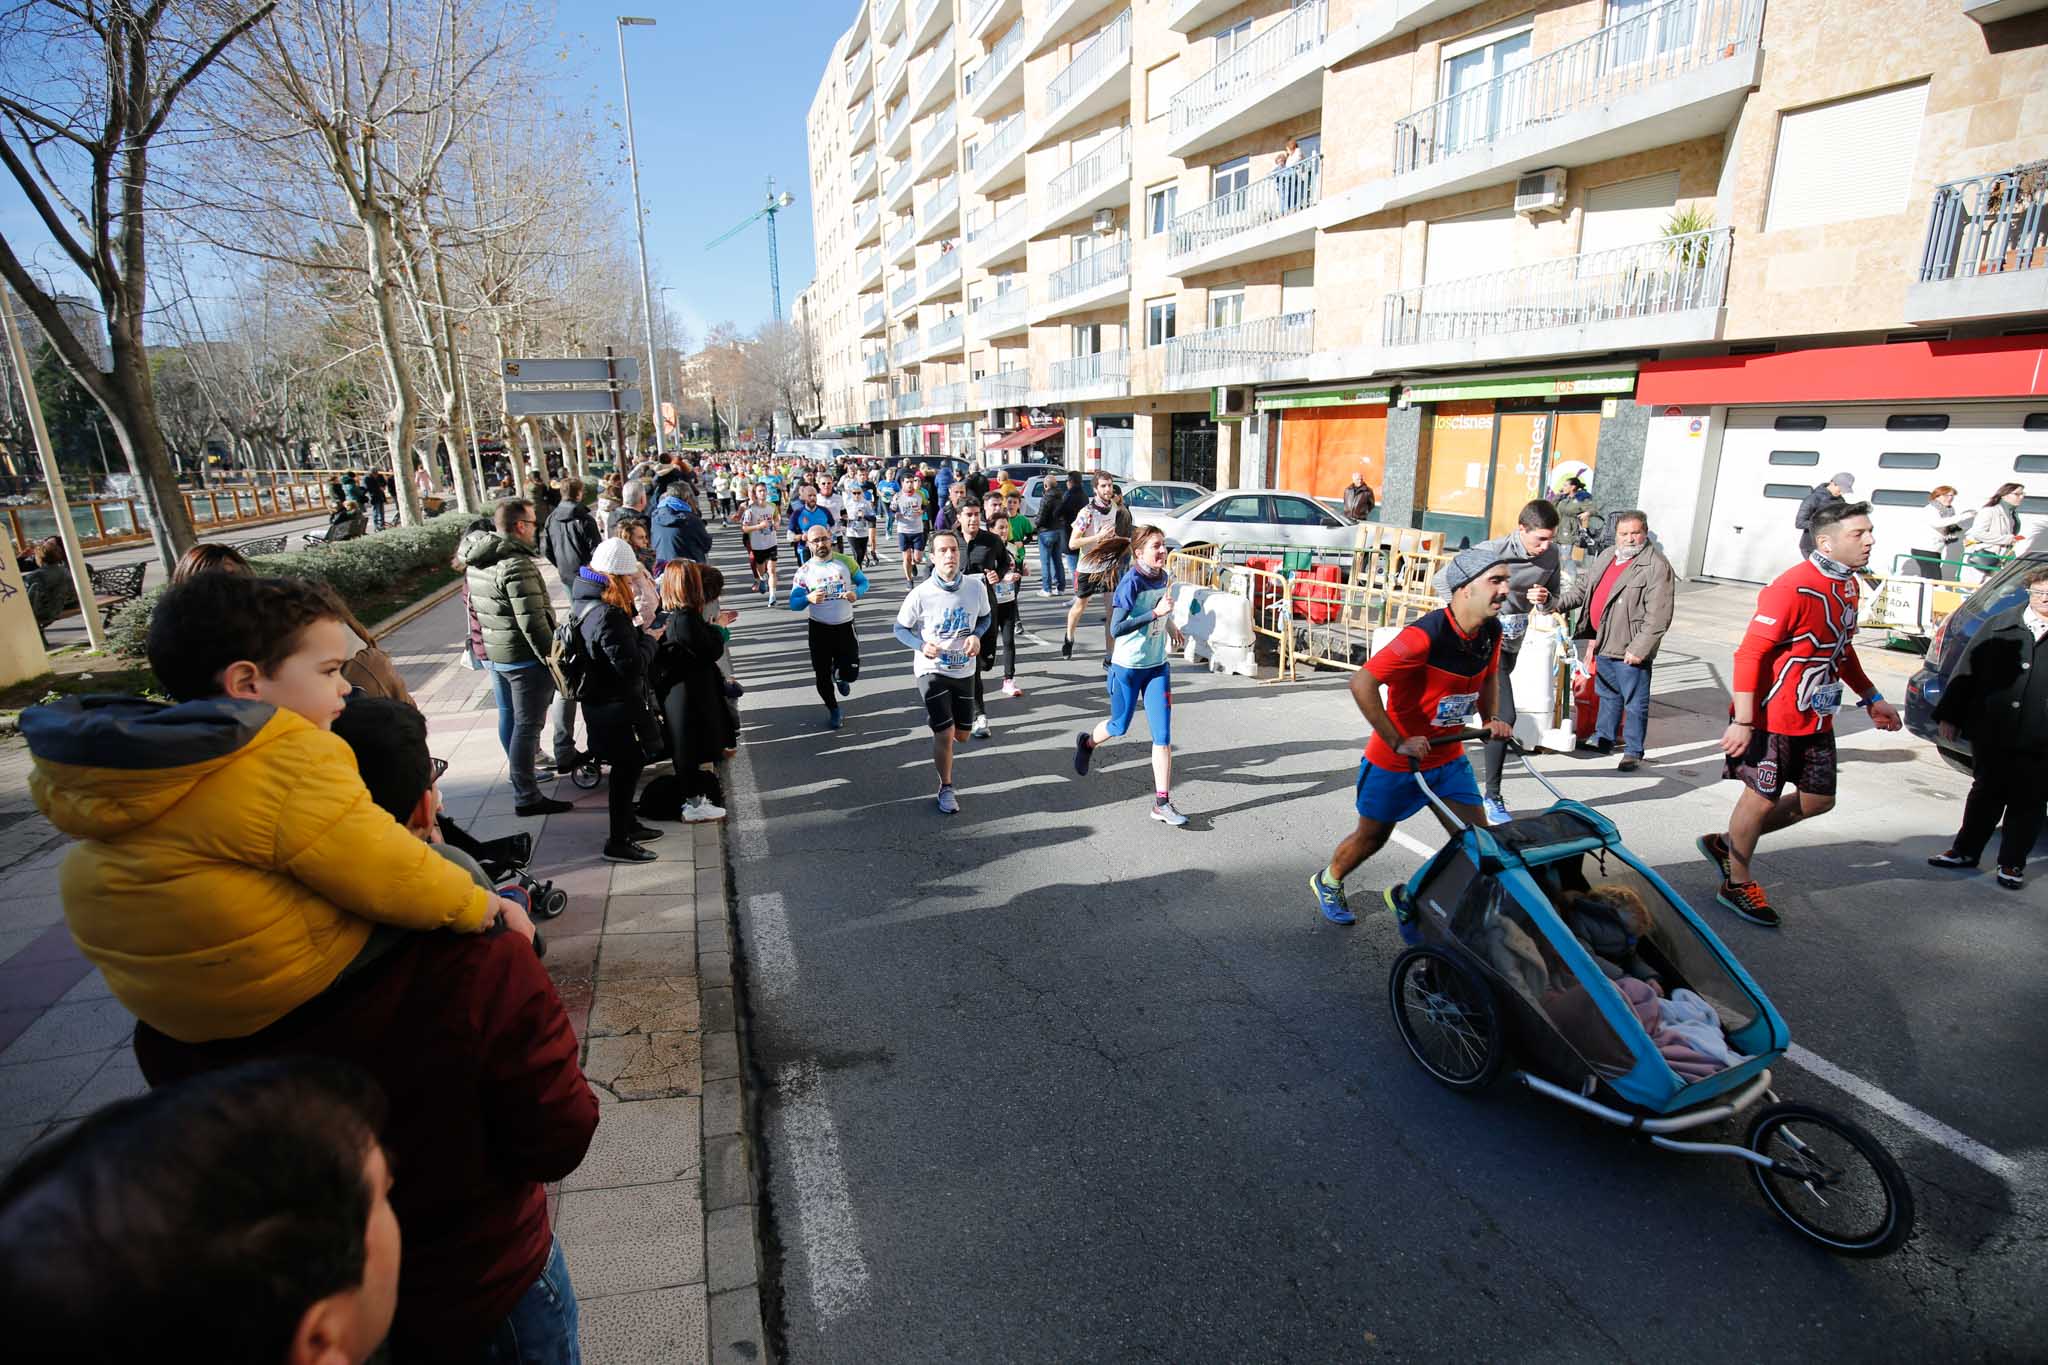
[1268, 592]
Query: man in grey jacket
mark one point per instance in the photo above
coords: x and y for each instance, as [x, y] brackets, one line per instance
[1536, 581]
[1631, 591]
[510, 598]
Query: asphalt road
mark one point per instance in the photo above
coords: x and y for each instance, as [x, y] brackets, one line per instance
[1050, 1081]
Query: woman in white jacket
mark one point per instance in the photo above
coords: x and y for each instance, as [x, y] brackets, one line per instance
[1944, 557]
[1996, 528]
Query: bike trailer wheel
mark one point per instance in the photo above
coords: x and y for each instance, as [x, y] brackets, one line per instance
[1831, 1180]
[1447, 1017]
[553, 901]
[589, 775]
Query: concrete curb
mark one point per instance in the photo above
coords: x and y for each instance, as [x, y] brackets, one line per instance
[420, 608]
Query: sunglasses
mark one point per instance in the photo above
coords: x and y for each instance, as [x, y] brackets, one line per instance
[439, 767]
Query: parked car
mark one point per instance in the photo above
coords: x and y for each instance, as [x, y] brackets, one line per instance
[2002, 590]
[1022, 470]
[1162, 496]
[1252, 516]
[1034, 487]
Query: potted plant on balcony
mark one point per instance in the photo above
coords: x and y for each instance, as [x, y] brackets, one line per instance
[2006, 203]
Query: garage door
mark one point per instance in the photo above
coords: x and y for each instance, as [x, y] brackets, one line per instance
[1771, 458]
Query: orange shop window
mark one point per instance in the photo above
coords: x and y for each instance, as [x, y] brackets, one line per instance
[1321, 447]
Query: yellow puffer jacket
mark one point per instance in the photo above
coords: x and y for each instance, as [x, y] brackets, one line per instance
[230, 860]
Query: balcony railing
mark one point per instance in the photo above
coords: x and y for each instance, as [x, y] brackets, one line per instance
[864, 215]
[1988, 224]
[1110, 161]
[854, 64]
[979, 13]
[896, 122]
[1105, 50]
[903, 293]
[1286, 191]
[937, 66]
[940, 134]
[937, 272]
[885, 10]
[908, 402]
[922, 13]
[902, 238]
[948, 398]
[1247, 349]
[876, 364]
[898, 178]
[940, 333]
[1002, 312]
[1229, 81]
[870, 267]
[944, 200]
[1005, 140]
[892, 64]
[1006, 388]
[864, 111]
[999, 227]
[996, 65]
[871, 316]
[1110, 263]
[862, 168]
[878, 409]
[1670, 275]
[907, 347]
[1088, 371]
[1621, 59]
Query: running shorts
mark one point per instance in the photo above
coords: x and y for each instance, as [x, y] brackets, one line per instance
[948, 702]
[761, 557]
[1087, 585]
[1772, 763]
[910, 540]
[1153, 686]
[1391, 797]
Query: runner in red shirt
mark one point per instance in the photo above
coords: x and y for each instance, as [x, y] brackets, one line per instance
[1440, 673]
[1789, 669]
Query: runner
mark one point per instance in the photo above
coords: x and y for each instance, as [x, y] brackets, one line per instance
[989, 559]
[825, 586]
[1099, 537]
[860, 525]
[1789, 671]
[833, 499]
[1439, 672]
[942, 619]
[1141, 624]
[804, 516]
[1021, 529]
[908, 509]
[757, 523]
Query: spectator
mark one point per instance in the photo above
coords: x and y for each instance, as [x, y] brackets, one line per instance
[510, 598]
[1359, 500]
[572, 533]
[1836, 490]
[1946, 526]
[609, 497]
[1052, 539]
[1635, 591]
[378, 492]
[230, 864]
[1996, 529]
[51, 593]
[614, 689]
[690, 686]
[241, 1218]
[1998, 700]
[209, 557]
[679, 532]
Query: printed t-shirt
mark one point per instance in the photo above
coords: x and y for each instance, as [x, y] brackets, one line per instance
[1434, 674]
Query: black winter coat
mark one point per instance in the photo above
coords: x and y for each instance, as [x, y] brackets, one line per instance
[686, 666]
[618, 659]
[1998, 696]
[572, 538]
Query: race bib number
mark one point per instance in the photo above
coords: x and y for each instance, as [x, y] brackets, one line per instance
[827, 591]
[1455, 711]
[951, 658]
[1006, 591]
[1826, 700]
[1513, 626]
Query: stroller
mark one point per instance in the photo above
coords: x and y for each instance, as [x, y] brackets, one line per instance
[1496, 969]
[504, 861]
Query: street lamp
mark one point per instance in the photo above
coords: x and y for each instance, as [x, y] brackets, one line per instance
[640, 229]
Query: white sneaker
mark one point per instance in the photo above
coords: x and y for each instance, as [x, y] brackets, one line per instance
[1010, 688]
[980, 730]
[697, 810]
[949, 804]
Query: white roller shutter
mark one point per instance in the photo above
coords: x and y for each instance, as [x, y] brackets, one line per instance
[1629, 213]
[1850, 158]
[1476, 244]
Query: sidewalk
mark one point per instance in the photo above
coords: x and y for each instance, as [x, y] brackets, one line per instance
[659, 1221]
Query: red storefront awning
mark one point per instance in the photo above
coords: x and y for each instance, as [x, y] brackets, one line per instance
[1025, 436]
[1984, 367]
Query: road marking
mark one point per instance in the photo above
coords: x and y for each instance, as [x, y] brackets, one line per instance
[771, 957]
[748, 829]
[824, 1209]
[1927, 1126]
[1413, 844]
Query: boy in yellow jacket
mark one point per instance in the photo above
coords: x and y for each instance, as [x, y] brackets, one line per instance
[231, 864]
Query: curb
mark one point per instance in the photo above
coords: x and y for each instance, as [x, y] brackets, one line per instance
[420, 608]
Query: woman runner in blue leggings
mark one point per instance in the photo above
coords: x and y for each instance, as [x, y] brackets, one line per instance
[1141, 628]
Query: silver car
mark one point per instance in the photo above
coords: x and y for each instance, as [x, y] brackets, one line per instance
[1253, 516]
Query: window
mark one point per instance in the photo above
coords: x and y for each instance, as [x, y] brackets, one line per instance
[1793, 491]
[1800, 421]
[1299, 512]
[1470, 86]
[1161, 203]
[1795, 457]
[1628, 213]
[1178, 497]
[1917, 421]
[1159, 321]
[1243, 509]
[1231, 39]
[2030, 464]
[1849, 158]
[1226, 306]
[1143, 496]
[1161, 82]
[1909, 459]
[1900, 497]
[1230, 177]
[1088, 339]
[2036, 421]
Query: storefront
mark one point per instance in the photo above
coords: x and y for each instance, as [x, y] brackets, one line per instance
[1317, 439]
[1191, 456]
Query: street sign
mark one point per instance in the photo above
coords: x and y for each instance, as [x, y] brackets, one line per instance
[564, 402]
[627, 371]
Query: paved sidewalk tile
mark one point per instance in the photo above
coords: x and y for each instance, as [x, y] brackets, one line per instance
[646, 1143]
[671, 913]
[625, 956]
[639, 1237]
[654, 1327]
[647, 1066]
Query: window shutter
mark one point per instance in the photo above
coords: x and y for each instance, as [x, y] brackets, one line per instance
[1476, 244]
[1851, 158]
[1629, 213]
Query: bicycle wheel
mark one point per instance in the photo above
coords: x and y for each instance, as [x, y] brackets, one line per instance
[1446, 1017]
[1831, 1180]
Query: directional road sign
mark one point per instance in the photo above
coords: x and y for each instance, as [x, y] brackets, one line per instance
[563, 402]
[627, 371]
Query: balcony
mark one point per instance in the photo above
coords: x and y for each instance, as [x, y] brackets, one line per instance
[1099, 180]
[861, 127]
[932, 86]
[927, 19]
[1275, 76]
[998, 79]
[905, 350]
[940, 148]
[1007, 314]
[941, 216]
[947, 399]
[1096, 81]
[1063, 17]
[945, 338]
[984, 15]
[896, 132]
[895, 73]
[896, 191]
[1094, 281]
[1663, 76]
[876, 364]
[908, 402]
[1662, 293]
[1986, 253]
[1374, 25]
[901, 296]
[862, 176]
[1005, 388]
[1991, 11]
[888, 18]
[999, 236]
[940, 277]
[1106, 374]
[860, 72]
[878, 409]
[867, 223]
[868, 272]
[902, 243]
[999, 160]
[874, 318]
[1267, 218]
[1254, 352]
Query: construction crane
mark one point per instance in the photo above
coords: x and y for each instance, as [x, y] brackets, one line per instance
[776, 204]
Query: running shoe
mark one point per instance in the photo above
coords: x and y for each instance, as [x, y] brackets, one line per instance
[834, 718]
[2012, 878]
[1047, 592]
[1714, 849]
[1010, 688]
[980, 730]
[1083, 751]
[949, 804]
[1067, 647]
[1165, 814]
[698, 810]
[1330, 900]
[1396, 898]
[616, 852]
[1951, 858]
[1747, 899]
[845, 689]
[1497, 812]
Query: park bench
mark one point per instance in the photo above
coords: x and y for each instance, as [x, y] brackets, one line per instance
[112, 589]
[261, 545]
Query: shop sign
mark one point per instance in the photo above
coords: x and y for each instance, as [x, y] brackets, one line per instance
[1324, 398]
[1523, 386]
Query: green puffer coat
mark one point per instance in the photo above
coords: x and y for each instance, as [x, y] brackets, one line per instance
[509, 596]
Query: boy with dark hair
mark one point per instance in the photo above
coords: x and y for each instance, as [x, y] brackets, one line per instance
[239, 1218]
[231, 864]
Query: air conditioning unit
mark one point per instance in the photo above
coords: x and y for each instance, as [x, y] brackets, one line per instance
[1233, 401]
[1105, 220]
[1540, 192]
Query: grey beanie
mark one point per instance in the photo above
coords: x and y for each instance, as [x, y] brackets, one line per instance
[1846, 482]
[1465, 566]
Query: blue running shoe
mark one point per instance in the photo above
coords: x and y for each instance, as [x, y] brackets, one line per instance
[845, 688]
[1497, 812]
[1330, 900]
[835, 718]
[1396, 898]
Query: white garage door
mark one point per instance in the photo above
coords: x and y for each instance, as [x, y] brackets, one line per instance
[1771, 458]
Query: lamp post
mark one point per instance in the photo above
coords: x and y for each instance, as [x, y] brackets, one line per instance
[640, 229]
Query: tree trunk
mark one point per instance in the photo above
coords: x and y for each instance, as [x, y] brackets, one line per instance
[404, 408]
[142, 441]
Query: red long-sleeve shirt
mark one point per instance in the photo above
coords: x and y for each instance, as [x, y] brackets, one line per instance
[1798, 651]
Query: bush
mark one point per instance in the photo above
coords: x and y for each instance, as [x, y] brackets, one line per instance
[355, 569]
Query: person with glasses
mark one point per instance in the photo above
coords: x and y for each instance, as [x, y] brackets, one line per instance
[510, 597]
[1998, 700]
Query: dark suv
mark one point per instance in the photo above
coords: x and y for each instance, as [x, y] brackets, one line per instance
[2000, 592]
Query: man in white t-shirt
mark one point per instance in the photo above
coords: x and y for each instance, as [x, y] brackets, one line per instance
[757, 523]
[832, 498]
[1099, 537]
[942, 620]
[825, 587]
[908, 507]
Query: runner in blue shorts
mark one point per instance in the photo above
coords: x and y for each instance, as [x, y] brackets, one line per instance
[1141, 627]
[1440, 673]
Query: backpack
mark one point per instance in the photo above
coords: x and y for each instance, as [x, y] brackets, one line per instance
[569, 656]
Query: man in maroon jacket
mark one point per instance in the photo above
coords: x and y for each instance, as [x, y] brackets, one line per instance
[471, 1044]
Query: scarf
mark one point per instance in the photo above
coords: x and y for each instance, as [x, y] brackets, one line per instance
[1830, 567]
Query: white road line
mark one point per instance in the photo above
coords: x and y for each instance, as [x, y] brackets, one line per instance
[748, 828]
[1413, 844]
[771, 957]
[824, 1209]
[1933, 1129]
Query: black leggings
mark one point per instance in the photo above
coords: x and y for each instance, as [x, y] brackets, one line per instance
[1002, 627]
[1496, 750]
[835, 653]
[612, 735]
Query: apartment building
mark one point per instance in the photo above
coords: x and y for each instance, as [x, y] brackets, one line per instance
[1702, 252]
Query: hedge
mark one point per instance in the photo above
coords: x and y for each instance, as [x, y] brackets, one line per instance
[353, 568]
